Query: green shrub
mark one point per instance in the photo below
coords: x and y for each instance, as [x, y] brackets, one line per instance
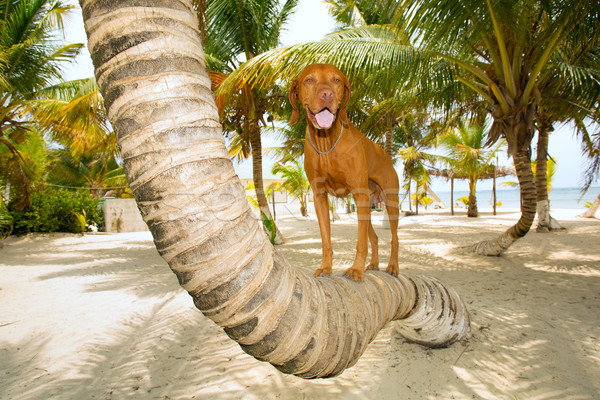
[53, 210]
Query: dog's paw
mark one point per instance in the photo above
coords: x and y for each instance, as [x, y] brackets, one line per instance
[356, 274]
[372, 266]
[323, 272]
[393, 269]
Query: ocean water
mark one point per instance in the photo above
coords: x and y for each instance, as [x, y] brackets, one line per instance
[560, 198]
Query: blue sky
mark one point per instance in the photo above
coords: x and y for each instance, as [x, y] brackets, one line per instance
[312, 22]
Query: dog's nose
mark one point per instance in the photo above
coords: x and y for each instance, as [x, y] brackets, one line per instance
[326, 95]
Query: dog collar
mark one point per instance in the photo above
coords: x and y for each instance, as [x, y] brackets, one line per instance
[332, 147]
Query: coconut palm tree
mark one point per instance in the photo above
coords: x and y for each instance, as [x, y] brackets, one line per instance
[573, 99]
[414, 135]
[296, 182]
[502, 51]
[468, 157]
[30, 60]
[237, 31]
[183, 180]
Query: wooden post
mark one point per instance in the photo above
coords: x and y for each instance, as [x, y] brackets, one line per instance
[494, 186]
[452, 194]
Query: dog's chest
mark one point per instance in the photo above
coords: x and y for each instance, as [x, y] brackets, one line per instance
[332, 177]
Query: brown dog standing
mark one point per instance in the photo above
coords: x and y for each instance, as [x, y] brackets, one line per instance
[340, 160]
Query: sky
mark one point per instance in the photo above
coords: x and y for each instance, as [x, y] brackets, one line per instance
[312, 22]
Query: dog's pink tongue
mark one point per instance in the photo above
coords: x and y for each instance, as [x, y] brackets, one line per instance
[325, 118]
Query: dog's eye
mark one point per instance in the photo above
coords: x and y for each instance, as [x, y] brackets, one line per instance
[337, 80]
[309, 81]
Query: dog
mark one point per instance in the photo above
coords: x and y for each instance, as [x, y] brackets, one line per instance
[340, 160]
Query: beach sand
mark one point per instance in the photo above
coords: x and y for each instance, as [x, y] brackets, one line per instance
[103, 317]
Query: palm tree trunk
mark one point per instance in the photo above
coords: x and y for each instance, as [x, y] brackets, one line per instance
[389, 143]
[497, 246]
[416, 196]
[590, 212]
[150, 69]
[257, 176]
[545, 221]
[389, 149]
[472, 208]
[409, 196]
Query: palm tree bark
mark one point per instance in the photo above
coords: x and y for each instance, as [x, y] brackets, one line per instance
[545, 221]
[270, 226]
[472, 208]
[496, 247]
[150, 68]
[389, 143]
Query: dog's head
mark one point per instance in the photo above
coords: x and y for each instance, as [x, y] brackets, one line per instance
[324, 92]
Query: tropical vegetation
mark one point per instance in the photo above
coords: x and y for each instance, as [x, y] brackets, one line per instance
[53, 133]
[493, 56]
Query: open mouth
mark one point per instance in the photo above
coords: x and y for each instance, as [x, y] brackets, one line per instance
[323, 119]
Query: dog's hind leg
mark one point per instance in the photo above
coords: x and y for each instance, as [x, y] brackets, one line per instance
[393, 209]
[374, 264]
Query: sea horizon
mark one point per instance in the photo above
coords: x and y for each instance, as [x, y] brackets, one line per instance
[560, 198]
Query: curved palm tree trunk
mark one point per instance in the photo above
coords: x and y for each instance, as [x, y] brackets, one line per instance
[495, 247]
[150, 69]
[269, 224]
[545, 221]
[591, 212]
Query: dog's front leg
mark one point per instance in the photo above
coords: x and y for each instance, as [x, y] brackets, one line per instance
[322, 210]
[363, 212]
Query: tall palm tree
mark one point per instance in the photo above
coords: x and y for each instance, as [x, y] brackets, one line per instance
[572, 99]
[30, 60]
[237, 31]
[183, 180]
[502, 50]
[468, 157]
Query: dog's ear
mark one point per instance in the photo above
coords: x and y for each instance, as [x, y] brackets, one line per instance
[343, 113]
[293, 100]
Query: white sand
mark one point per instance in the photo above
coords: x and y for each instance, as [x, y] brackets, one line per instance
[102, 317]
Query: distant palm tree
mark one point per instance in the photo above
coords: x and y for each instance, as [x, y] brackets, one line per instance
[414, 136]
[469, 157]
[30, 60]
[295, 183]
